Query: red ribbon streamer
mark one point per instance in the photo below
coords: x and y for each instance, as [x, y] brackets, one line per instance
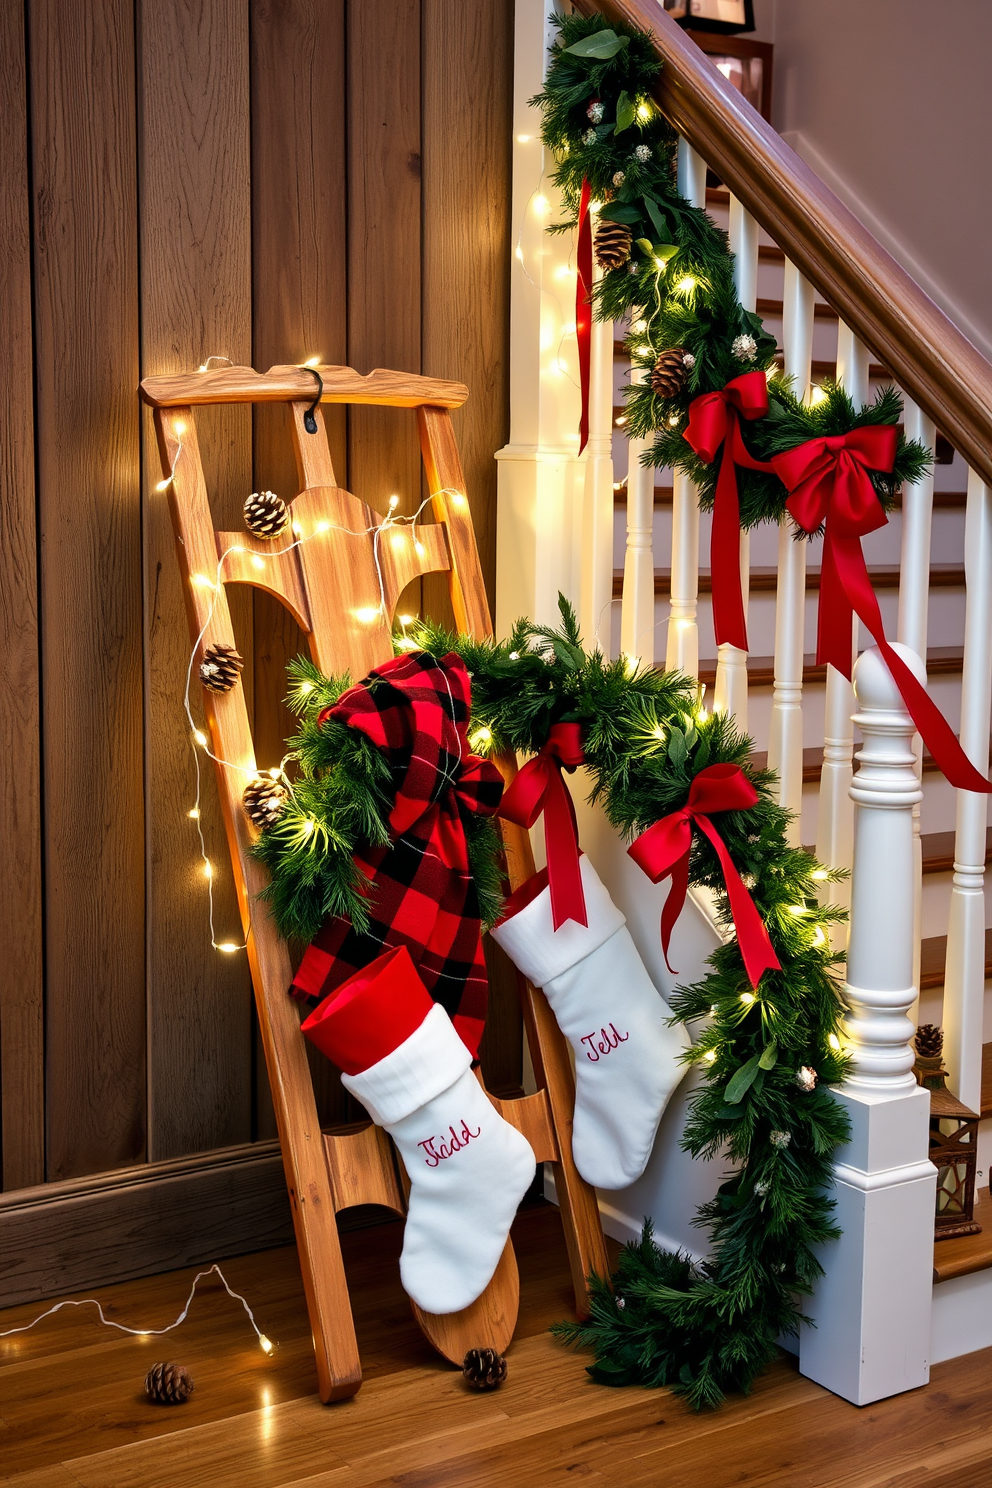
[583, 310]
[713, 421]
[663, 850]
[538, 787]
[831, 487]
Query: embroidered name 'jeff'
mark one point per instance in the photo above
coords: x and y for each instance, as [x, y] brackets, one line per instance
[604, 1042]
[436, 1149]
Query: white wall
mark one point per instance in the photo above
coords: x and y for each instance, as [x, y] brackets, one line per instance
[890, 102]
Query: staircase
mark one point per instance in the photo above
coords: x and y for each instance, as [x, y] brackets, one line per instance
[629, 547]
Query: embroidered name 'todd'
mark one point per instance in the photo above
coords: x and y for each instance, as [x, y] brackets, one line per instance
[604, 1043]
[447, 1147]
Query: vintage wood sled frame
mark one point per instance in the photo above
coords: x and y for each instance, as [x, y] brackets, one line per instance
[331, 585]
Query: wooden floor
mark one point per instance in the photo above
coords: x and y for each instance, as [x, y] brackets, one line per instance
[72, 1410]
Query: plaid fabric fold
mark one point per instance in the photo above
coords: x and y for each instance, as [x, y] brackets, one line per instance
[421, 892]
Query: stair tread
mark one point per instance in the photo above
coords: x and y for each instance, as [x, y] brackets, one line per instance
[941, 661]
[765, 580]
[934, 956]
[986, 1080]
[938, 851]
[966, 1253]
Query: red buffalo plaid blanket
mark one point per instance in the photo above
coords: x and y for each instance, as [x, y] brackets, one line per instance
[421, 892]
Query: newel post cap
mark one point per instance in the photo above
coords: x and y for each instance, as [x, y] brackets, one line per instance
[874, 687]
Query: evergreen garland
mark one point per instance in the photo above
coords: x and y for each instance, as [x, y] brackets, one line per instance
[678, 289]
[763, 1059]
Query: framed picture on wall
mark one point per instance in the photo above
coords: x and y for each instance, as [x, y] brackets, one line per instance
[725, 16]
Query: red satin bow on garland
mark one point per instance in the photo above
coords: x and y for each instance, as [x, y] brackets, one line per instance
[830, 486]
[538, 787]
[713, 421]
[583, 310]
[664, 849]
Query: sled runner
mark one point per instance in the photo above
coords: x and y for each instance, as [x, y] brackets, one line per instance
[330, 583]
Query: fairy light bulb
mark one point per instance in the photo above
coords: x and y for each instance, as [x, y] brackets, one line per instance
[820, 874]
[686, 284]
[265, 1344]
[748, 999]
[208, 869]
[394, 502]
[200, 738]
[312, 361]
[367, 615]
[194, 815]
[643, 111]
[710, 1056]
[833, 1041]
[228, 947]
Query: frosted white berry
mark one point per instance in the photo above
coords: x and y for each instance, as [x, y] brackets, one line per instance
[688, 360]
[806, 1079]
[780, 1138]
[589, 138]
[642, 153]
[744, 348]
[595, 112]
[618, 178]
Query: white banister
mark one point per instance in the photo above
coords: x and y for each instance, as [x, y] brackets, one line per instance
[637, 612]
[730, 690]
[682, 647]
[912, 627]
[835, 818]
[964, 978]
[595, 609]
[872, 1307]
[785, 738]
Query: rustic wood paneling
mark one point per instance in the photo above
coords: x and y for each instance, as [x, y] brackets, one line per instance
[467, 74]
[300, 309]
[22, 1050]
[194, 139]
[384, 225]
[86, 370]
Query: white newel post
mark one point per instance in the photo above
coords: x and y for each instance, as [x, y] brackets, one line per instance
[540, 477]
[872, 1306]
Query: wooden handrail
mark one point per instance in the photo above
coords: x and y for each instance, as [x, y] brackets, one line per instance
[928, 356]
[298, 384]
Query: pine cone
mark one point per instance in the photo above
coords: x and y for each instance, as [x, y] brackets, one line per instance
[220, 667]
[264, 799]
[612, 244]
[266, 514]
[669, 373]
[484, 1369]
[929, 1041]
[169, 1384]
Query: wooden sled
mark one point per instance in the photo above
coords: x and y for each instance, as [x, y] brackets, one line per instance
[330, 585]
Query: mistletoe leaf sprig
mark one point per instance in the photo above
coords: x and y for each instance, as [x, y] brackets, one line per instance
[678, 290]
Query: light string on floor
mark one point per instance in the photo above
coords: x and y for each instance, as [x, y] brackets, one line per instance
[366, 615]
[264, 1343]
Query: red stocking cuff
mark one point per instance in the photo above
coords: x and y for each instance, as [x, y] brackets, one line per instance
[371, 1014]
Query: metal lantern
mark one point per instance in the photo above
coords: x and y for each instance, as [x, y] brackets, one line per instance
[953, 1141]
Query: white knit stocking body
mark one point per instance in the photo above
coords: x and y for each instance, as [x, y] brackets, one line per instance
[626, 1055]
[468, 1168]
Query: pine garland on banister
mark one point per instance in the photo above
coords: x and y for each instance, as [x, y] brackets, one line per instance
[764, 1058]
[675, 283]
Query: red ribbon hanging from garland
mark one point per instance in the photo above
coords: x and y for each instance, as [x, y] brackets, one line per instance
[831, 487]
[583, 310]
[538, 787]
[664, 849]
[713, 422]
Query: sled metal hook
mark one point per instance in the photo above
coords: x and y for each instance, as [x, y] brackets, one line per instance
[310, 417]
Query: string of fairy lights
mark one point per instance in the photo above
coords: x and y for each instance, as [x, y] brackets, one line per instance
[367, 615]
[264, 1342]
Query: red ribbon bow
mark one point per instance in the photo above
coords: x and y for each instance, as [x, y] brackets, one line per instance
[664, 849]
[538, 787]
[831, 486]
[583, 309]
[713, 421]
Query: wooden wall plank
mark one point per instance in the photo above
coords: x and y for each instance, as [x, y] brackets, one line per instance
[22, 1050]
[194, 138]
[86, 304]
[467, 116]
[384, 214]
[300, 309]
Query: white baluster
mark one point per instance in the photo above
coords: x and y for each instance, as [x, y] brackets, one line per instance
[637, 613]
[597, 507]
[872, 1307]
[964, 977]
[730, 691]
[835, 819]
[914, 599]
[785, 738]
[682, 648]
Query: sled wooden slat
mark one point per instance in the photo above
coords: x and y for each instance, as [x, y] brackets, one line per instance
[324, 570]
